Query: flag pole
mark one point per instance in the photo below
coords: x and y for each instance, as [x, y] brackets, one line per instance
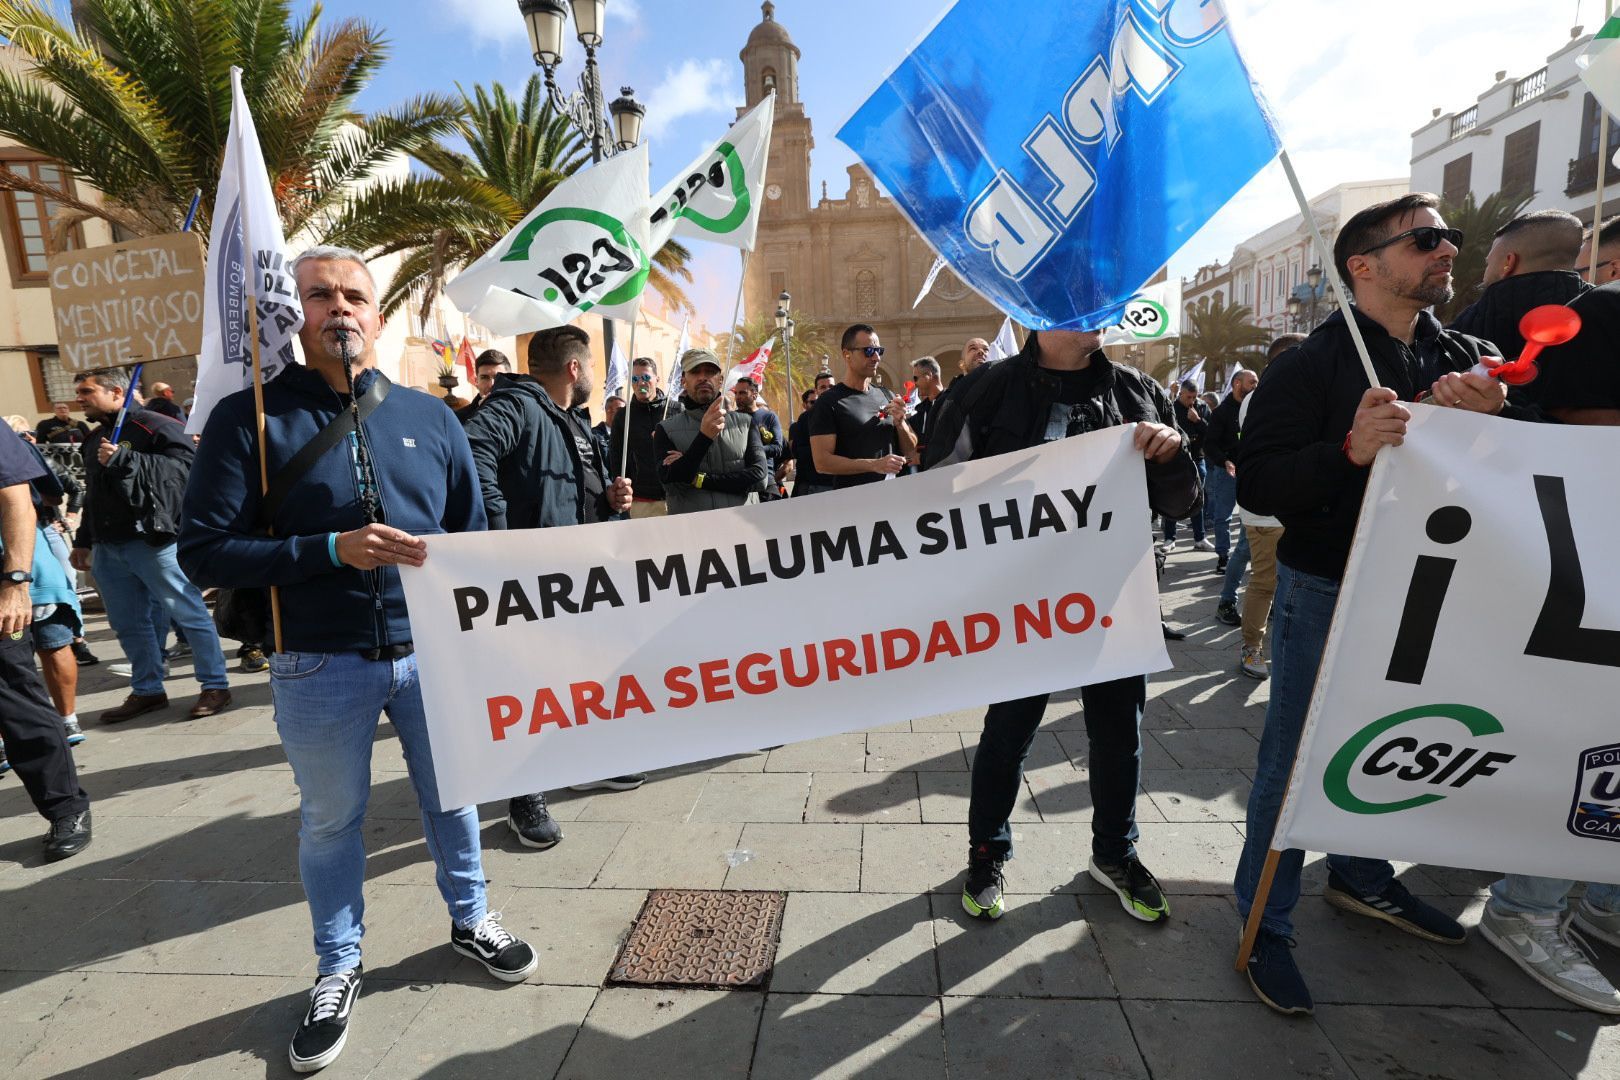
[736, 309]
[1339, 293]
[630, 391]
[1602, 168]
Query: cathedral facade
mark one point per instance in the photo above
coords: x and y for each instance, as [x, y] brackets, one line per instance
[849, 259]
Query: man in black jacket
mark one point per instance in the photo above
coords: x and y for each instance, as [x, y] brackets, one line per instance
[1220, 470]
[806, 480]
[539, 468]
[133, 490]
[1060, 385]
[647, 409]
[1192, 417]
[1531, 262]
[1309, 440]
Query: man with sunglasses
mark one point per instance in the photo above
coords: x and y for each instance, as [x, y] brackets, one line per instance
[1309, 439]
[647, 408]
[858, 432]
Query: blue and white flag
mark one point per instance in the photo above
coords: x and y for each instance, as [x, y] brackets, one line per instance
[1059, 179]
[247, 260]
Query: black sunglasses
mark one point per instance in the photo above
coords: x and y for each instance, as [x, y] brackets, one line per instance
[870, 351]
[1424, 238]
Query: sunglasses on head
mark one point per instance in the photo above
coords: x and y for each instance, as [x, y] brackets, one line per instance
[641, 378]
[1424, 238]
[870, 351]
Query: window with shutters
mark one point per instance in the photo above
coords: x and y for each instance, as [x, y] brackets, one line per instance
[866, 294]
[28, 222]
[1457, 180]
[1519, 160]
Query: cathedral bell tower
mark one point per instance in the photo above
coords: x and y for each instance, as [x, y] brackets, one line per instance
[771, 64]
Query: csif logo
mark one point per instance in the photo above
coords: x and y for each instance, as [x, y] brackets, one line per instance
[583, 257]
[1381, 751]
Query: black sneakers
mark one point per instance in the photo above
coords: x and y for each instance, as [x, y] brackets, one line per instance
[325, 1027]
[1227, 612]
[982, 892]
[1138, 890]
[1397, 907]
[82, 653]
[68, 836]
[527, 816]
[1275, 978]
[508, 958]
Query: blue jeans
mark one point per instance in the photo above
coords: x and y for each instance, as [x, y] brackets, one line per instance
[1220, 499]
[327, 706]
[1521, 894]
[1197, 518]
[1235, 566]
[1113, 712]
[1300, 615]
[135, 578]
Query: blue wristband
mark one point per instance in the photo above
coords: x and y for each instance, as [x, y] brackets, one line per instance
[331, 550]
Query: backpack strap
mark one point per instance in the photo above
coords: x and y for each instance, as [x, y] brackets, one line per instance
[336, 430]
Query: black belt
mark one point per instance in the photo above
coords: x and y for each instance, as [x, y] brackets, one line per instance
[388, 652]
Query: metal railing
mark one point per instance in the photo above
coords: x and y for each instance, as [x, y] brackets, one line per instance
[1531, 86]
[1464, 122]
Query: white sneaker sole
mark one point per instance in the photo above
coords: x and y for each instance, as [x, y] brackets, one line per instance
[526, 842]
[504, 976]
[1611, 1008]
[606, 785]
[316, 1064]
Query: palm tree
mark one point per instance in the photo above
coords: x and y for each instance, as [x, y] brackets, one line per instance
[1221, 336]
[1478, 222]
[517, 152]
[810, 342]
[136, 101]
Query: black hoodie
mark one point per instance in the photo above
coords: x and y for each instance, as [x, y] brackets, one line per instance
[1495, 316]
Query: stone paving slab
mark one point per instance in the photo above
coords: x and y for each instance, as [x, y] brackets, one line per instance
[682, 1034]
[1203, 1040]
[858, 1038]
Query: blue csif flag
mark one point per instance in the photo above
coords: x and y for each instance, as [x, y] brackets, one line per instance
[1057, 159]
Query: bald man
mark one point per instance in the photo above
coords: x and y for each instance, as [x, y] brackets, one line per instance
[162, 401]
[974, 353]
[1531, 262]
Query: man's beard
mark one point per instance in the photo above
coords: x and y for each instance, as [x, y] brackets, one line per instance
[333, 346]
[581, 394]
[703, 394]
[1433, 295]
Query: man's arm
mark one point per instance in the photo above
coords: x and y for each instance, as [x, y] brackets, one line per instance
[823, 449]
[492, 434]
[17, 524]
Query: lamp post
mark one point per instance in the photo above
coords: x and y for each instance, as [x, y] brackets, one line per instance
[546, 20]
[1304, 301]
[784, 324]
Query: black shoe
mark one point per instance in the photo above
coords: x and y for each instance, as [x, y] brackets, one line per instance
[68, 836]
[1169, 634]
[180, 651]
[1227, 612]
[527, 816]
[627, 782]
[508, 958]
[253, 659]
[1220, 564]
[1275, 978]
[82, 653]
[325, 1027]
[1138, 890]
[1397, 907]
[982, 893]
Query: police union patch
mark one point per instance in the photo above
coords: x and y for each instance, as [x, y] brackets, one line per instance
[1596, 810]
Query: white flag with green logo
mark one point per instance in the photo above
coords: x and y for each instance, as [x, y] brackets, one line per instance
[1153, 314]
[585, 248]
[1599, 67]
[717, 197]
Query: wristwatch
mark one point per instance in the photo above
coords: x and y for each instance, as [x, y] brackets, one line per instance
[16, 577]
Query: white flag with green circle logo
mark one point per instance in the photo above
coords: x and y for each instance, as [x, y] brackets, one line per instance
[1153, 314]
[717, 197]
[1599, 66]
[584, 249]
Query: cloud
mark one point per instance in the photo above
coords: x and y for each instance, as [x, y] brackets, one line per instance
[693, 88]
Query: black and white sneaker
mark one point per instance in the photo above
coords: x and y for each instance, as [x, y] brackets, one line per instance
[527, 816]
[1139, 892]
[627, 782]
[1398, 907]
[325, 1027]
[508, 958]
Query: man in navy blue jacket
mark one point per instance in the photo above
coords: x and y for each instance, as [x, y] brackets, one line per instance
[333, 549]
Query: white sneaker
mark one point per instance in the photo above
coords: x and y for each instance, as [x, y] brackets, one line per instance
[127, 670]
[1254, 665]
[1204, 545]
[1553, 955]
[1597, 923]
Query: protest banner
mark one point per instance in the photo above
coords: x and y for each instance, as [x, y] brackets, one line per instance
[1464, 711]
[1153, 314]
[123, 304]
[633, 645]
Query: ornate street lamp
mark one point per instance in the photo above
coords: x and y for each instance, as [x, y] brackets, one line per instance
[784, 325]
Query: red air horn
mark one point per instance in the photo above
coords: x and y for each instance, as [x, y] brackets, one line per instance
[1549, 324]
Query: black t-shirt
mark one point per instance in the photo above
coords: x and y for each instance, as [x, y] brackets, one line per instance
[861, 429]
[1077, 409]
[594, 490]
[17, 465]
[1583, 373]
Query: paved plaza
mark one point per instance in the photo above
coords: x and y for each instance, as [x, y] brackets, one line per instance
[179, 943]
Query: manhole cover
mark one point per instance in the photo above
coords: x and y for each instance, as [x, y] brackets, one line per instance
[701, 937]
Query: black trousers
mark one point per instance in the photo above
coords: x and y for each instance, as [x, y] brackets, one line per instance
[36, 745]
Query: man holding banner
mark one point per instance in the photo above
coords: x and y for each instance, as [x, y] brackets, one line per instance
[1311, 434]
[1059, 386]
[345, 653]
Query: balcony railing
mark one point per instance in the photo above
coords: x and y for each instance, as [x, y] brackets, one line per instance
[1531, 86]
[1583, 176]
[1464, 122]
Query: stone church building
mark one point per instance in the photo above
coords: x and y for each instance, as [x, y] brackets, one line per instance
[849, 259]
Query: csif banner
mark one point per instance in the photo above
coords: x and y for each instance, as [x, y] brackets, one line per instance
[1464, 713]
[634, 645]
[717, 197]
[1153, 314]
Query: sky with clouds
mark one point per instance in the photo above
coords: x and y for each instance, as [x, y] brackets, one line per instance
[1349, 82]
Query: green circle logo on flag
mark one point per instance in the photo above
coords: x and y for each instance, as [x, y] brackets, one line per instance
[701, 191]
[1145, 319]
[579, 253]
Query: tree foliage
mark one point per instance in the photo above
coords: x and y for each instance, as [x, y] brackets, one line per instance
[1478, 222]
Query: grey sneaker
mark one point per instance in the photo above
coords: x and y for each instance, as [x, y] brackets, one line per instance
[1597, 923]
[1254, 665]
[1553, 955]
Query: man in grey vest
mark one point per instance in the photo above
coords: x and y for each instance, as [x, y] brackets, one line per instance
[710, 454]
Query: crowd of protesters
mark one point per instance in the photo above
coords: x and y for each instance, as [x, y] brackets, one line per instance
[1286, 449]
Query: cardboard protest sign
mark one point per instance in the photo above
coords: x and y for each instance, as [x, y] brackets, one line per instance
[1464, 713]
[632, 645]
[129, 303]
